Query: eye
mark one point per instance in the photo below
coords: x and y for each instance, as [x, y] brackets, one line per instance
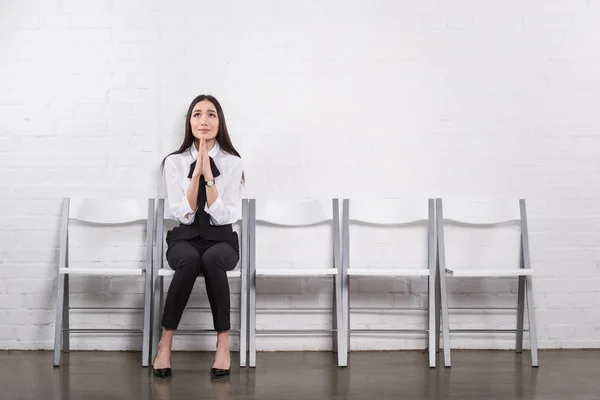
[196, 115]
[213, 115]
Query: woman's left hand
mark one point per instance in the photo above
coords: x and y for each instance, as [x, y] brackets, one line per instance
[206, 170]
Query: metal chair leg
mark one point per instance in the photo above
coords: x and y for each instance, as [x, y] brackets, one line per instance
[157, 313]
[345, 281]
[346, 317]
[432, 327]
[334, 320]
[342, 352]
[532, 323]
[244, 320]
[438, 312]
[252, 284]
[526, 264]
[441, 271]
[66, 323]
[445, 322]
[147, 317]
[252, 324]
[58, 326]
[520, 314]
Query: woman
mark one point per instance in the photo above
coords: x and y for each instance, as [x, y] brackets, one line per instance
[203, 179]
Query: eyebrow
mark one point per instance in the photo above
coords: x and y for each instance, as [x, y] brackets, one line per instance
[209, 110]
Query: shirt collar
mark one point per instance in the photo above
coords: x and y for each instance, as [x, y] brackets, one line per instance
[211, 153]
[194, 151]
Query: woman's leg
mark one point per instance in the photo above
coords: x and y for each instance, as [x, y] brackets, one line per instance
[216, 261]
[186, 261]
[163, 357]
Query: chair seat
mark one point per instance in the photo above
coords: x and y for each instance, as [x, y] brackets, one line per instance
[170, 272]
[102, 271]
[387, 272]
[296, 272]
[489, 272]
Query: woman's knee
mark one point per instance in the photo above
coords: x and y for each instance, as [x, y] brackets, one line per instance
[184, 256]
[222, 256]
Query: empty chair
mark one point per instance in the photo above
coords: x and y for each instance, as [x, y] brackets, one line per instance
[398, 213]
[102, 212]
[488, 213]
[295, 214]
[160, 272]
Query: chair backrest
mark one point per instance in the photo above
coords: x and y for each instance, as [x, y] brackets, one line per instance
[106, 212]
[390, 212]
[484, 213]
[479, 212]
[293, 212]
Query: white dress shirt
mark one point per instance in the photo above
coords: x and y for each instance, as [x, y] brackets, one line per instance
[225, 209]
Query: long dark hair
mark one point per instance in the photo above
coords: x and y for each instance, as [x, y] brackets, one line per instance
[222, 134]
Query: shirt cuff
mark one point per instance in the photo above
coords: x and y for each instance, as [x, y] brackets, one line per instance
[214, 209]
[186, 209]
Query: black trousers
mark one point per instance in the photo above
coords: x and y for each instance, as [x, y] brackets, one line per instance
[189, 259]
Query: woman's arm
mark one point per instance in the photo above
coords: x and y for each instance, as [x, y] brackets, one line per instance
[212, 194]
[179, 203]
[223, 207]
[192, 192]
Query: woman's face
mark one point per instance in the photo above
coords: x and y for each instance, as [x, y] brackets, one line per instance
[204, 120]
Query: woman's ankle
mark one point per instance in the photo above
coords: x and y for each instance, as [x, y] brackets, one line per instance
[164, 347]
[166, 340]
[223, 340]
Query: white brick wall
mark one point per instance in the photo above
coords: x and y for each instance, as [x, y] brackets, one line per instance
[342, 98]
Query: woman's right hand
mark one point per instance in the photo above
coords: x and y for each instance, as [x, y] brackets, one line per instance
[192, 191]
[198, 168]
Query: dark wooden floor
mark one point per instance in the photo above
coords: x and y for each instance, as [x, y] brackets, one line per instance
[481, 375]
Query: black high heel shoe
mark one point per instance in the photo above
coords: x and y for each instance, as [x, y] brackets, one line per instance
[162, 373]
[217, 373]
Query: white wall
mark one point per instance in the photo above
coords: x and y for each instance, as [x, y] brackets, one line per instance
[465, 98]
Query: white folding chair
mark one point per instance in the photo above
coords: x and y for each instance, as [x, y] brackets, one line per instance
[160, 272]
[102, 212]
[390, 212]
[488, 213]
[295, 214]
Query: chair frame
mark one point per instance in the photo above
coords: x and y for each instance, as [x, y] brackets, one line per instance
[337, 309]
[525, 286]
[62, 323]
[431, 273]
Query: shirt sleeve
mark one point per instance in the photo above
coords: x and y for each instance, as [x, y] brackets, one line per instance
[176, 199]
[224, 210]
